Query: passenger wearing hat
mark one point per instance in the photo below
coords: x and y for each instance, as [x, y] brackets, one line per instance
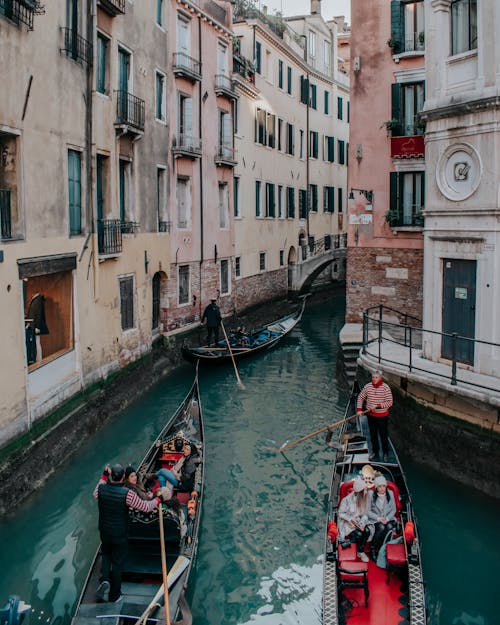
[353, 517]
[114, 501]
[382, 514]
[367, 473]
[132, 481]
[378, 398]
[213, 318]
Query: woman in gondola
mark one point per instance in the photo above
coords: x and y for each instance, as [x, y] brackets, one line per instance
[382, 514]
[353, 517]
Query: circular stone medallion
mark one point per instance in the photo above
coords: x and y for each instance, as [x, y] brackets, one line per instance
[459, 171]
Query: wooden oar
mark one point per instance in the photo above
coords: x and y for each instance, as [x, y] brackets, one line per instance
[327, 427]
[164, 565]
[240, 383]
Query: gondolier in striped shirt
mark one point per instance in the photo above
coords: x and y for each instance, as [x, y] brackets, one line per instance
[378, 398]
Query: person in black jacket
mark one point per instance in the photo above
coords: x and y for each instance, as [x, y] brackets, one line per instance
[213, 317]
[114, 501]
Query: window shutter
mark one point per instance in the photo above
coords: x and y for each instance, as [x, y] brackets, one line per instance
[397, 28]
[394, 193]
[331, 199]
[188, 117]
[304, 90]
[331, 149]
[397, 108]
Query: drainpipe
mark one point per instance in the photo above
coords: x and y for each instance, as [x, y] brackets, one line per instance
[307, 141]
[201, 166]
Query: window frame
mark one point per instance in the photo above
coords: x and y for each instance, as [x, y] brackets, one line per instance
[160, 97]
[180, 269]
[472, 30]
[127, 303]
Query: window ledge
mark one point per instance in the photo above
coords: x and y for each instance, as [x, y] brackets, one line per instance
[462, 56]
[396, 229]
[408, 55]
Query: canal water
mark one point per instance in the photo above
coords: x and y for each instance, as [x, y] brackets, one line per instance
[259, 559]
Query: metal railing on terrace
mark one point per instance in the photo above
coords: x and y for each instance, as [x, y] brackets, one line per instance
[5, 214]
[185, 63]
[109, 236]
[129, 110]
[322, 245]
[76, 47]
[21, 11]
[384, 327]
[164, 226]
[246, 9]
[113, 7]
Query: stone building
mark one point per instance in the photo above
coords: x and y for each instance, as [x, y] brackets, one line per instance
[386, 159]
[462, 232]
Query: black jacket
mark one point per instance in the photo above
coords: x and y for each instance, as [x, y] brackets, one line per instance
[212, 315]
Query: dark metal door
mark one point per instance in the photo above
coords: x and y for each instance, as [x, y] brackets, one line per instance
[459, 309]
[156, 300]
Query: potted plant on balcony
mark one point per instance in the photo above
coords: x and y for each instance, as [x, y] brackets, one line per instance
[421, 38]
[392, 217]
[390, 125]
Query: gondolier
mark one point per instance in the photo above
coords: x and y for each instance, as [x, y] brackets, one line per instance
[378, 397]
[213, 318]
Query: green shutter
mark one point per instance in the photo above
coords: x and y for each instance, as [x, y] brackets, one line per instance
[397, 108]
[397, 27]
[394, 197]
[331, 199]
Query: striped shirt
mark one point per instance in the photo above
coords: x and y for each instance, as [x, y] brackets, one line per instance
[133, 500]
[378, 399]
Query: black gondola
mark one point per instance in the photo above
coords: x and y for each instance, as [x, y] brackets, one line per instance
[244, 344]
[363, 593]
[142, 581]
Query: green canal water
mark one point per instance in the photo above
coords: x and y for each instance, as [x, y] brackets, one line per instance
[259, 559]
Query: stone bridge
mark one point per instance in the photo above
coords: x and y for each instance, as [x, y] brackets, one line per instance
[312, 261]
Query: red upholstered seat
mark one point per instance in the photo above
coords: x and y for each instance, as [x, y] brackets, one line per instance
[354, 574]
[347, 553]
[345, 489]
[395, 490]
[396, 558]
[182, 497]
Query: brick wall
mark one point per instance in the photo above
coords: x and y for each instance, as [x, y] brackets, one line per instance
[260, 288]
[393, 277]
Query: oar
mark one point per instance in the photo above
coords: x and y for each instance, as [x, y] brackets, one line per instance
[240, 383]
[164, 565]
[327, 427]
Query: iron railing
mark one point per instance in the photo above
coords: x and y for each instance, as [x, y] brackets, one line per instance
[5, 214]
[322, 245]
[244, 68]
[129, 110]
[113, 7]
[164, 226]
[76, 47]
[224, 85]
[109, 236]
[406, 216]
[185, 63]
[21, 11]
[130, 227]
[187, 144]
[225, 154]
[382, 324]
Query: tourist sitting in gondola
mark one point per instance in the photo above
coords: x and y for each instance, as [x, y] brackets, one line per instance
[353, 517]
[132, 481]
[241, 338]
[382, 513]
[182, 475]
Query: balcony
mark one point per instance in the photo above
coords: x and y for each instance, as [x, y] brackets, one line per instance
[21, 11]
[186, 146]
[129, 113]
[164, 226]
[225, 156]
[5, 214]
[113, 7]
[109, 237]
[76, 47]
[187, 67]
[224, 86]
[215, 11]
[406, 217]
[244, 68]
[130, 227]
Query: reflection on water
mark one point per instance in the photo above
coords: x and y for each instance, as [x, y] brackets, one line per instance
[259, 559]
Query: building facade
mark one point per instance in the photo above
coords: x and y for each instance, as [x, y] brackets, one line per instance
[462, 109]
[386, 160]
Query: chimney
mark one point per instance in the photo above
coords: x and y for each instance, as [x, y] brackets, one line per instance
[315, 7]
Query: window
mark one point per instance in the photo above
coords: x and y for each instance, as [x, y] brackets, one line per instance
[341, 145]
[223, 206]
[258, 208]
[290, 202]
[159, 12]
[237, 267]
[463, 25]
[289, 80]
[125, 190]
[11, 217]
[326, 55]
[329, 149]
[313, 102]
[183, 197]
[224, 277]
[75, 192]
[236, 196]
[270, 200]
[161, 198]
[271, 129]
[102, 64]
[282, 258]
[413, 21]
[183, 38]
[302, 203]
[258, 57]
[225, 148]
[280, 134]
[290, 143]
[301, 144]
[340, 200]
[407, 198]
[327, 103]
[328, 199]
[160, 97]
[185, 120]
[312, 47]
[340, 107]
[262, 261]
[407, 102]
[235, 108]
[222, 66]
[304, 90]
[265, 128]
[280, 201]
[313, 197]
[313, 144]
[348, 112]
[127, 302]
[280, 73]
[102, 164]
[183, 285]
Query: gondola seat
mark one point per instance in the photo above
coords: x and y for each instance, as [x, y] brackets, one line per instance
[354, 574]
[396, 558]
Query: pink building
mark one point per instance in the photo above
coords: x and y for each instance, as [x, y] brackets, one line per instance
[386, 159]
[200, 177]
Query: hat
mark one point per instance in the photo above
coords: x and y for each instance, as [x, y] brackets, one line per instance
[379, 480]
[367, 472]
[130, 469]
[358, 485]
[117, 473]
[213, 299]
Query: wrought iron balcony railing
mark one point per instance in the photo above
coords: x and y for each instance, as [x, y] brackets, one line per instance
[164, 226]
[406, 216]
[5, 214]
[21, 11]
[113, 7]
[225, 155]
[244, 68]
[224, 86]
[76, 47]
[130, 227]
[185, 65]
[109, 236]
[187, 145]
[129, 110]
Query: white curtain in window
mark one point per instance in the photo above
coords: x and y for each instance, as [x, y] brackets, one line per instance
[407, 199]
[223, 206]
[183, 36]
[460, 26]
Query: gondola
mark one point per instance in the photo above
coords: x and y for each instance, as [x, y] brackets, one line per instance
[364, 593]
[244, 344]
[142, 580]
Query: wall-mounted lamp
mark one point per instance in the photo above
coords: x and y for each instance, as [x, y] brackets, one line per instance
[368, 194]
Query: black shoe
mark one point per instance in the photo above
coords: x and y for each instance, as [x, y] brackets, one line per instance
[102, 591]
[373, 555]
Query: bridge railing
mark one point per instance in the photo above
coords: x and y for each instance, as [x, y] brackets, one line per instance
[318, 247]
